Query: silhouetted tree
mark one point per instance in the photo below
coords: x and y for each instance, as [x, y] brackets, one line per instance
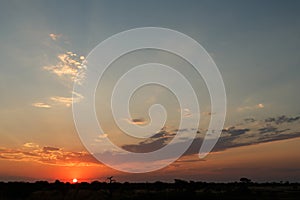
[180, 182]
[111, 180]
[158, 190]
[245, 180]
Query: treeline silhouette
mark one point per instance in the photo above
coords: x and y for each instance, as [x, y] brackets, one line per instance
[179, 189]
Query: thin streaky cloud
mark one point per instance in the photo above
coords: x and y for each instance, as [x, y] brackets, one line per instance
[254, 107]
[31, 145]
[59, 100]
[41, 105]
[67, 101]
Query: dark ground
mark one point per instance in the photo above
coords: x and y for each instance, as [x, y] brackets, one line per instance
[178, 190]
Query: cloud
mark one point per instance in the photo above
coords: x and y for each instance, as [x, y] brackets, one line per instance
[181, 130]
[207, 113]
[233, 131]
[249, 120]
[267, 129]
[136, 121]
[48, 155]
[155, 142]
[30, 145]
[260, 105]
[46, 149]
[282, 119]
[67, 101]
[70, 66]
[59, 100]
[41, 105]
[145, 147]
[252, 132]
[186, 112]
[163, 133]
[254, 107]
[54, 36]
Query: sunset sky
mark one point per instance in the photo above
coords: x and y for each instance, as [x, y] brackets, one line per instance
[255, 44]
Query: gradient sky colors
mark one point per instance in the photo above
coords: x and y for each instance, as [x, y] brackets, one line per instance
[255, 44]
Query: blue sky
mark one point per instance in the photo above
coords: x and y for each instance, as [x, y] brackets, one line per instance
[255, 44]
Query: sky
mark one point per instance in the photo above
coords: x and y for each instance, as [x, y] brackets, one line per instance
[255, 44]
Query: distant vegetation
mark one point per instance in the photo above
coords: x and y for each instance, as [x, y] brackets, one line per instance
[180, 189]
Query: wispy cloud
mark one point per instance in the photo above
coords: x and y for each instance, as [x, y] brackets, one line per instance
[48, 155]
[186, 112]
[254, 107]
[59, 100]
[30, 145]
[54, 36]
[41, 105]
[69, 66]
[67, 101]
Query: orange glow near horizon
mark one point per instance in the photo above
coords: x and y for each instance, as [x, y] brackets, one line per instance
[75, 180]
[266, 162]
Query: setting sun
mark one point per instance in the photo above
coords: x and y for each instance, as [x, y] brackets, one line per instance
[74, 180]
